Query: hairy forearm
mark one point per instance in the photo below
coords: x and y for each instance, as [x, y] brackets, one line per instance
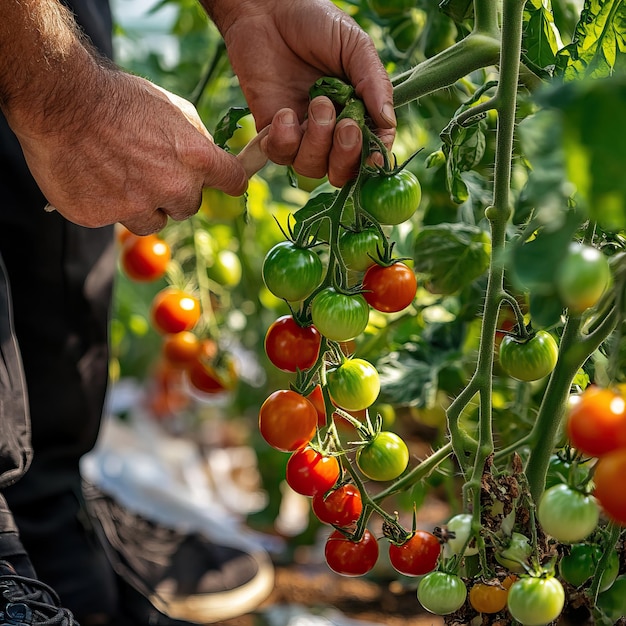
[41, 52]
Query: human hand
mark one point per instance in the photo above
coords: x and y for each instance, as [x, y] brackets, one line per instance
[278, 50]
[136, 155]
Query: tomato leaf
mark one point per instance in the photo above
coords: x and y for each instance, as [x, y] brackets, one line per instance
[597, 47]
[541, 38]
[451, 255]
[313, 206]
[227, 126]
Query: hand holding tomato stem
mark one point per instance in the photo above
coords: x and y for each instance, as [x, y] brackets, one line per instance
[295, 43]
[104, 146]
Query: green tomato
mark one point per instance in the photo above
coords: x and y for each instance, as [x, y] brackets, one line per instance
[612, 602]
[579, 565]
[384, 458]
[536, 601]
[441, 593]
[582, 277]
[226, 269]
[529, 360]
[354, 385]
[391, 8]
[339, 316]
[359, 249]
[460, 528]
[567, 514]
[515, 553]
[292, 273]
[391, 198]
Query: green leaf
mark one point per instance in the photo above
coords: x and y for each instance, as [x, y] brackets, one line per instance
[451, 255]
[541, 38]
[227, 126]
[315, 204]
[599, 43]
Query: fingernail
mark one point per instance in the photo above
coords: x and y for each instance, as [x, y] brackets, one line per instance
[288, 118]
[388, 113]
[322, 113]
[349, 135]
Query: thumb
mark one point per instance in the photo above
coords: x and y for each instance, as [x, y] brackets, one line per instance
[224, 171]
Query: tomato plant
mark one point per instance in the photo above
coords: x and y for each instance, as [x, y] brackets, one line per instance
[568, 514]
[596, 423]
[145, 258]
[348, 557]
[290, 346]
[529, 359]
[354, 385]
[389, 288]
[291, 272]
[341, 507]
[174, 311]
[536, 600]
[287, 420]
[339, 316]
[359, 249]
[391, 198]
[385, 457]
[579, 565]
[441, 593]
[417, 556]
[582, 277]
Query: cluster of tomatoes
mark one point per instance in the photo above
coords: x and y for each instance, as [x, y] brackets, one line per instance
[176, 314]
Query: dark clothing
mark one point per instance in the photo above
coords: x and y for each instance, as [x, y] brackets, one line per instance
[59, 291]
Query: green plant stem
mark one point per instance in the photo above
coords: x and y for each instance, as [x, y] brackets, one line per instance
[609, 546]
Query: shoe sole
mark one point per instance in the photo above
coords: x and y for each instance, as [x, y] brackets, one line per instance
[212, 608]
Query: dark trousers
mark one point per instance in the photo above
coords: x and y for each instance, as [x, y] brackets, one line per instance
[55, 292]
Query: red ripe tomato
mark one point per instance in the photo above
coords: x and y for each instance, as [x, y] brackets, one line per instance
[287, 420]
[418, 555]
[145, 258]
[389, 289]
[597, 422]
[316, 398]
[207, 378]
[174, 310]
[608, 476]
[181, 348]
[310, 472]
[351, 558]
[292, 347]
[341, 507]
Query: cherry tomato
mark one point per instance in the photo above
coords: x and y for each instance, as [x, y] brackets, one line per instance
[567, 514]
[145, 258]
[391, 199]
[354, 385]
[529, 360]
[339, 316]
[348, 557]
[612, 602]
[341, 507]
[212, 377]
[218, 205]
[417, 556]
[582, 277]
[441, 593]
[459, 529]
[290, 272]
[316, 398]
[536, 601]
[515, 553]
[384, 458]
[579, 565]
[309, 472]
[291, 347]
[596, 423]
[287, 420]
[174, 310]
[490, 597]
[608, 478]
[391, 8]
[181, 348]
[389, 289]
[225, 269]
[359, 249]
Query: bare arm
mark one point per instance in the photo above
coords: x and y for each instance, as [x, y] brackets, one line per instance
[104, 146]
